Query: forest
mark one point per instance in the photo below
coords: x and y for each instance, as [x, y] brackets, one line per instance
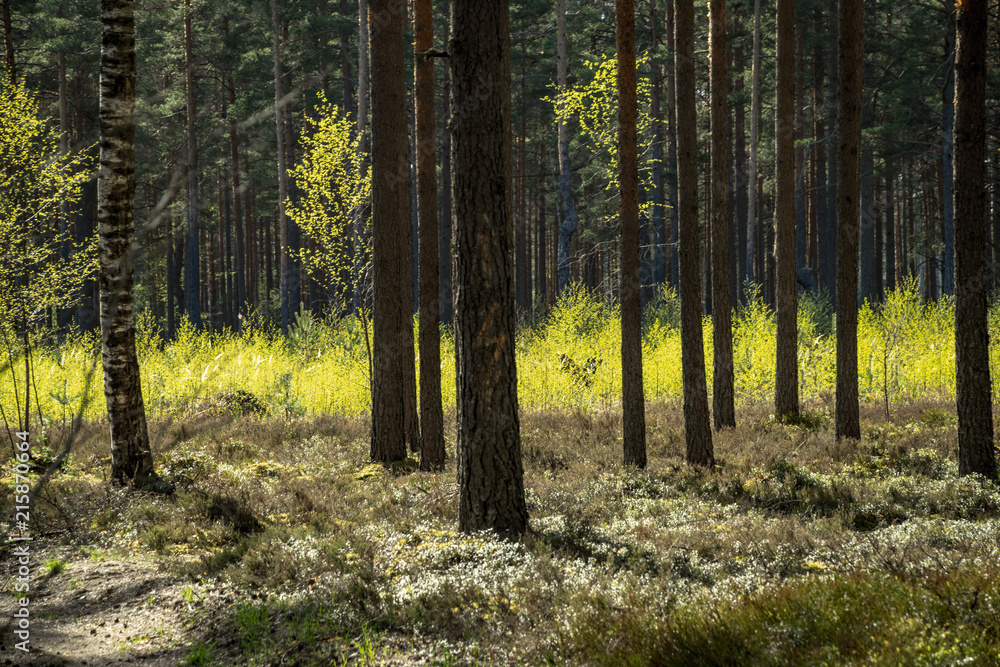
[548, 332]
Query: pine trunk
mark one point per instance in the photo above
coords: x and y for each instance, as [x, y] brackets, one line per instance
[391, 232]
[972, 360]
[633, 402]
[192, 279]
[570, 221]
[490, 470]
[849, 89]
[431, 415]
[697, 429]
[723, 393]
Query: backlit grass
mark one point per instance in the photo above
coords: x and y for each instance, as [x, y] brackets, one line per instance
[905, 352]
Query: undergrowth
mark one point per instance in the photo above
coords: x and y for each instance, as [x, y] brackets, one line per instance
[568, 361]
[797, 549]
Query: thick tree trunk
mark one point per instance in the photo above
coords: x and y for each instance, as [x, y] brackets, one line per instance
[633, 401]
[972, 360]
[391, 232]
[131, 458]
[786, 379]
[849, 68]
[192, 279]
[490, 472]
[570, 221]
[723, 392]
[697, 429]
[431, 415]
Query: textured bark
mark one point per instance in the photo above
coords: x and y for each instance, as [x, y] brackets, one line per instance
[633, 402]
[972, 363]
[192, 278]
[131, 459]
[361, 300]
[723, 392]
[391, 231]
[659, 231]
[490, 471]
[570, 221]
[851, 56]
[786, 381]
[697, 429]
[445, 213]
[753, 275]
[431, 415]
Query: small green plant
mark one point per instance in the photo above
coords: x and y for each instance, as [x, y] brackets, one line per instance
[55, 565]
[188, 594]
[253, 624]
[202, 654]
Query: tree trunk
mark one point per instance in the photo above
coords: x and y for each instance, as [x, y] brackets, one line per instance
[490, 472]
[192, 291]
[723, 393]
[242, 256]
[633, 402]
[391, 232]
[867, 290]
[570, 221]
[948, 162]
[360, 233]
[972, 361]
[431, 415]
[131, 458]
[752, 275]
[740, 181]
[659, 232]
[786, 380]
[697, 430]
[824, 263]
[829, 238]
[891, 242]
[284, 264]
[849, 91]
[444, 215]
[65, 314]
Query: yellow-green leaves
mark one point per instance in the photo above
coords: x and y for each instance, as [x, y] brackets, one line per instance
[335, 183]
[35, 180]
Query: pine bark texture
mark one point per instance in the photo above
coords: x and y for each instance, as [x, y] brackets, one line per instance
[786, 380]
[431, 415]
[633, 401]
[975, 419]
[390, 230]
[490, 470]
[697, 429]
[849, 83]
[723, 391]
[131, 458]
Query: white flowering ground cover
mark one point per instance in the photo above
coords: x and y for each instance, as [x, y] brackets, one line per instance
[795, 550]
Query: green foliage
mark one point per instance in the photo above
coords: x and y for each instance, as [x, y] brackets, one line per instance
[334, 182]
[35, 181]
[594, 105]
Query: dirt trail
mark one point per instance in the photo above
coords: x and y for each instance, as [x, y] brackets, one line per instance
[102, 612]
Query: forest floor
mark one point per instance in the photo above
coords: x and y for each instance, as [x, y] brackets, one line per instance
[283, 545]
